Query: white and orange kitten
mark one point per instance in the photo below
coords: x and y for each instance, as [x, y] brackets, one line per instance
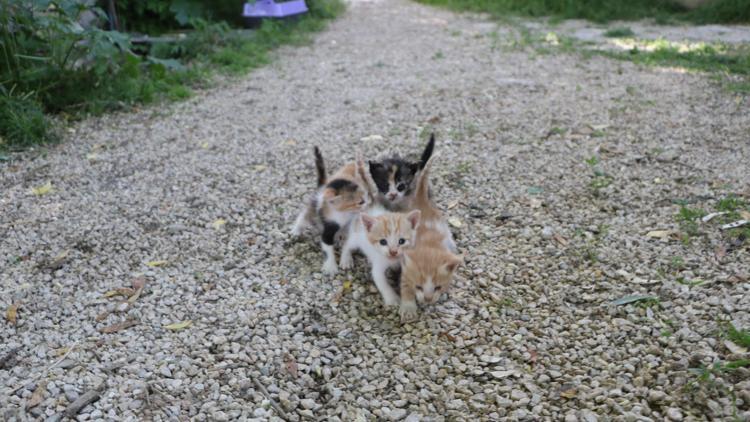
[383, 237]
[427, 269]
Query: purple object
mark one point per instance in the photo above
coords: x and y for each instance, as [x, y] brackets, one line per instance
[270, 9]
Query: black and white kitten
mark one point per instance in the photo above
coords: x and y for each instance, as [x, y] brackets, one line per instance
[395, 178]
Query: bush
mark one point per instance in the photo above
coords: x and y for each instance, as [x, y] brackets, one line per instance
[22, 122]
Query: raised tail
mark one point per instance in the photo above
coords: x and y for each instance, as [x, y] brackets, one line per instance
[320, 167]
[422, 193]
[427, 153]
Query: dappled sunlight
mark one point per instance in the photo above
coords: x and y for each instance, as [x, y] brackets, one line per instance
[661, 44]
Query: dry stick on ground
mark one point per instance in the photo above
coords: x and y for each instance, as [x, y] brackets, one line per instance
[44, 372]
[82, 401]
[275, 406]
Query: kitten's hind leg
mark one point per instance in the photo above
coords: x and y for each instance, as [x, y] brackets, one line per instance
[327, 241]
[304, 220]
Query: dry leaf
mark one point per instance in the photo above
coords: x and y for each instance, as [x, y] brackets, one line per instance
[568, 393]
[92, 156]
[160, 263]
[290, 365]
[12, 313]
[720, 252]
[132, 299]
[58, 261]
[259, 167]
[734, 348]
[709, 217]
[38, 395]
[122, 291]
[42, 190]
[219, 223]
[533, 356]
[453, 204]
[745, 215]
[372, 138]
[735, 224]
[179, 325]
[118, 327]
[290, 142]
[102, 316]
[204, 145]
[559, 239]
[447, 336]
[347, 285]
[139, 282]
[659, 234]
[455, 222]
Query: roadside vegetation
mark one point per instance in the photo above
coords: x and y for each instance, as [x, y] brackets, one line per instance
[59, 58]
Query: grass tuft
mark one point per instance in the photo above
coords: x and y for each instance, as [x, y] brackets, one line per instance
[622, 32]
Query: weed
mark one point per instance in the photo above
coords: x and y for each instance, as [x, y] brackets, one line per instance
[738, 336]
[731, 203]
[677, 263]
[592, 161]
[620, 32]
[689, 283]
[687, 219]
[464, 167]
[438, 55]
[662, 11]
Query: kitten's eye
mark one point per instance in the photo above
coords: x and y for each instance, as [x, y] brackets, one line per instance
[401, 187]
[401, 241]
[362, 202]
[383, 242]
[437, 288]
[419, 288]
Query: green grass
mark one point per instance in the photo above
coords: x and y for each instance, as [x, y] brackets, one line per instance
[171, 73]
[621, 32]
[688, 220]
[738, 336]
[701, 57]
[718, 11]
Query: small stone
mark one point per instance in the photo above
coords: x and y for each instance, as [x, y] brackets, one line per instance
[656, 396]
[308, 403]
[589, 416]
[674, 414]
[413, 417]
[397, 414]
[517, 395]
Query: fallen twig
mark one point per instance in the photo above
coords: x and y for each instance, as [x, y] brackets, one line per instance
[275, 406]
[82, 401]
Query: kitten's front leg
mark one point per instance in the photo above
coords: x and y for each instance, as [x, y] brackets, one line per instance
[345, 262]
[390, 298]
[327, 241]
[408, 308]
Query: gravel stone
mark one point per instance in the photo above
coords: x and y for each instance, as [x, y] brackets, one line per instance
[194, 201]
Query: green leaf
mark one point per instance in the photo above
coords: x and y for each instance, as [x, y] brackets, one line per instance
[170, 64]
[632, 298]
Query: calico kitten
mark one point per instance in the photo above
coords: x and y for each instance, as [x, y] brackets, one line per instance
[427, 269]
[338, 201]
[394, 178]
[383, 237]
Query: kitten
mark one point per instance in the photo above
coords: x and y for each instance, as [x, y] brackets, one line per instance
[427, 269]
[394, 178]
[383, 237]
[338, 201]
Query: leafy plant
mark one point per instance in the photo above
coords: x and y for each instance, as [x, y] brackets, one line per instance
[621, 32]
[738, 336]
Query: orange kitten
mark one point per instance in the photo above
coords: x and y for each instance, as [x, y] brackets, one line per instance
[427, 269]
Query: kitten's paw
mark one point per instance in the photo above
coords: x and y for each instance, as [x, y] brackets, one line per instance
[346, 262]
[408, 312]
[391, 300]
[330, 268]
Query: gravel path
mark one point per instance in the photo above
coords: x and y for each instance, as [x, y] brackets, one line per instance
[193, 201]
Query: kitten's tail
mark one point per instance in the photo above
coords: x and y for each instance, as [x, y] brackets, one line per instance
[422, 193]
[320, 167]
[427, 153]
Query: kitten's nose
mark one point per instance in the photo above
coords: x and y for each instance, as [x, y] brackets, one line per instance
[392, 196]
[393, 252]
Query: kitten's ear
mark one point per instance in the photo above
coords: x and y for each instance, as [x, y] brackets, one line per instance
[413, 218]
[451, 264]
[368, 222]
